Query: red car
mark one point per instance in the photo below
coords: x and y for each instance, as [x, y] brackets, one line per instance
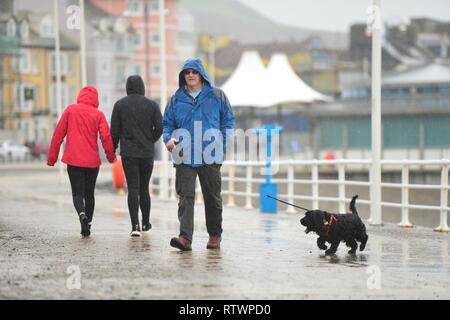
[39, 150]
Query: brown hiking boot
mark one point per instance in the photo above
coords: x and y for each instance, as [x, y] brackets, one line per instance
[181, 243]
[214, 243]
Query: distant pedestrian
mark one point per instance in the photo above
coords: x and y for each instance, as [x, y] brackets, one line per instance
[136, 123]
[198, 108]
[81, 123]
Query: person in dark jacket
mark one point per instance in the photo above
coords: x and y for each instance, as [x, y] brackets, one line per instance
[198, 108]
[81, 123]
[136, 123]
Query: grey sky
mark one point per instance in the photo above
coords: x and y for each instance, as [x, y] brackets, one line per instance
[339, 14]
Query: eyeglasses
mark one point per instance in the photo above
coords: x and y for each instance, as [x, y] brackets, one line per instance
[188, 71]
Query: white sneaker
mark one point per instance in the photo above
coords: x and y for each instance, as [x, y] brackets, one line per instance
[136, 231]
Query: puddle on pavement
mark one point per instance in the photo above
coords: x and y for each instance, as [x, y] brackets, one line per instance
[213, 260]
[380, 251]
[268, 226]
[358, 260]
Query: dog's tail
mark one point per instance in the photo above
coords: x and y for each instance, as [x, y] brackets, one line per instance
[352, 205]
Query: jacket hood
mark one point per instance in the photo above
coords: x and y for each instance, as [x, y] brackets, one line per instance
[135, 85]
[194, 64]
[88, 95]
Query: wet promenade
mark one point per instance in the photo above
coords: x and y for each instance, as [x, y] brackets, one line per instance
[263, 256]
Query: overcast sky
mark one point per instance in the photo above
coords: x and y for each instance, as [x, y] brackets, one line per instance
[339, 14]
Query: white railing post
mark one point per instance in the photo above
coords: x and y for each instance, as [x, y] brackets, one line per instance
[172, 191]
[248, 188]
[315, 185]
[151, 189]
[341, 181]
[405, 198]
[290, 191]
[231, 175]
[443, 227]
[164, 181]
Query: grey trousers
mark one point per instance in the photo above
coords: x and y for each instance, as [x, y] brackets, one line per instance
[211, 184]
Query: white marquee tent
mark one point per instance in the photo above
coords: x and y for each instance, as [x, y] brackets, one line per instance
[246, 87]
[286, 86]
[253, 85]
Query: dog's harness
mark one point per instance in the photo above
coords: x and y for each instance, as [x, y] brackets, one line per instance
[329, 223]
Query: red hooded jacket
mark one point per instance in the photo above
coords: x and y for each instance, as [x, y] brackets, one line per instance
[81, 123]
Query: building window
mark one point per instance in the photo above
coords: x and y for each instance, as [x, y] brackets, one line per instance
[25, 97]
[154, 39]
[154, 6]
[120, 74]
[64, 97]
[133, 8]
[137, 41]
[120, 44]
[137, 69]
[35, 62]
[11, 28]
[64, 63]
[47, 28]
[24, 30]
[156, 70]
[1, 104]
[105, 68]
[24, 61]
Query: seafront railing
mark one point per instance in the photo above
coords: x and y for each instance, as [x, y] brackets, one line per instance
[302, 180]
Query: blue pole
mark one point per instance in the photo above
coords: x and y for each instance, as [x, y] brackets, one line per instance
[267, 204]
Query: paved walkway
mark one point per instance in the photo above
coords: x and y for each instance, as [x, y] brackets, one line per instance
[42, 255]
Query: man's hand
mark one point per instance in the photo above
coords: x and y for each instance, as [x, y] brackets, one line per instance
[171, 144]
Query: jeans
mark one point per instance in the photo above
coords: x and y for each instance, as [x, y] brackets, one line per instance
[211, 184]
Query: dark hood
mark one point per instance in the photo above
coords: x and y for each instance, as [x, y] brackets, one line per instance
[88, 95]
[194, 64]
[135, 85]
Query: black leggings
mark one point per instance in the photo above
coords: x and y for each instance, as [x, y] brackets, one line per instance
[138, 172]
[82, 181]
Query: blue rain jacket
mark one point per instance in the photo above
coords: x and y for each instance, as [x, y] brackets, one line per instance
[209, 110]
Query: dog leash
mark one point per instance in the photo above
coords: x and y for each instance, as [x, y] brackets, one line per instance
[290, 204]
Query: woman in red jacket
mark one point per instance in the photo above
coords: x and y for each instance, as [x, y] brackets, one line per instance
[81, 123]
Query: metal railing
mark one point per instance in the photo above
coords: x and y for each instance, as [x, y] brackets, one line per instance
[243, 173]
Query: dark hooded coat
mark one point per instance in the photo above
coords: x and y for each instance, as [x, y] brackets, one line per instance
[136, 122]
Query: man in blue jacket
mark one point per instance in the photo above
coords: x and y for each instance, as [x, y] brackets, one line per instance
[198, 123]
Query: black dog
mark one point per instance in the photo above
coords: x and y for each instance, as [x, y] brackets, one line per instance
[334, 228]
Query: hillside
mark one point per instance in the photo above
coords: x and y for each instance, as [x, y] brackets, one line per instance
[229, 17]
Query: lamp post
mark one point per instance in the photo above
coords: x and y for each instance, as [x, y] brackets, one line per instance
[212, 60]
[375, 190]
[58, 76]
[83, 45]
[164, 190]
